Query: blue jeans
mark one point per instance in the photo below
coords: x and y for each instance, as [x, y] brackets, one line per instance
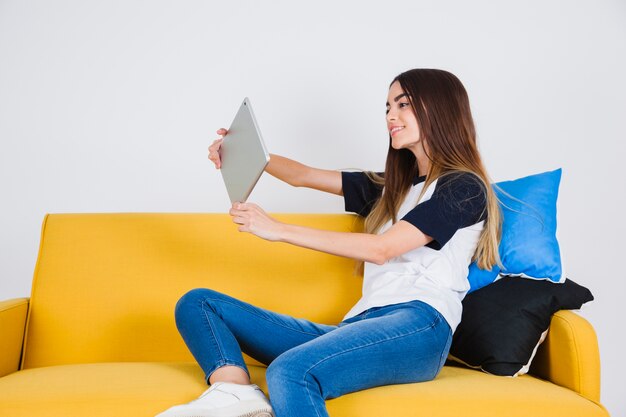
[310, 362]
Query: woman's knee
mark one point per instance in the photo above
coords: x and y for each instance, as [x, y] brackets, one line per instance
[195, 299]
[287, 368]
[277, 376]
[276, 371]
[291, 379]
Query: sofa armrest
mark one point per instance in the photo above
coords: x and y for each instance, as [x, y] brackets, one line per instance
[570, 356]
[12, 325]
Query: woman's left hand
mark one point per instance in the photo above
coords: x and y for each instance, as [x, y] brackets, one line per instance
[253, 219]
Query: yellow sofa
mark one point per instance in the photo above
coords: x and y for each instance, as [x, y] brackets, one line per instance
[97, 336]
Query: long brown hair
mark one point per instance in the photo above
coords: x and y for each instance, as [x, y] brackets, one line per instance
[448, 137]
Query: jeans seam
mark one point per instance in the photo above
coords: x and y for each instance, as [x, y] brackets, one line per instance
[433, 324]
[308, 391]
[441, 358]
[208, 319]
[261, 317]
[223, 361]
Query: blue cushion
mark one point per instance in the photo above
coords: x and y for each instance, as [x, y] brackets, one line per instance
[529, 247]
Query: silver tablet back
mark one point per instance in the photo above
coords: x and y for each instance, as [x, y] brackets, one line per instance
[243, 154]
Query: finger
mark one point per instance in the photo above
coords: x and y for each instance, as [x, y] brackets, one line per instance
[253, 208]
[239, 220]
[215, 146]
[214, 157]
[240, 213]
[215, 151]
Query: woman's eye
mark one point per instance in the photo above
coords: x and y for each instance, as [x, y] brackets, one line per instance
[401, 105]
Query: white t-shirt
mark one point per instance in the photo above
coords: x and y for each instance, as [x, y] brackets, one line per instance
[452, 211]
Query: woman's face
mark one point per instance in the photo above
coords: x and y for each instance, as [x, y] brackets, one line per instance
[401, 122]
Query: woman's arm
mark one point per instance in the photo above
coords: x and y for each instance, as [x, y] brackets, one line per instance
[300, 175]
[397, 240]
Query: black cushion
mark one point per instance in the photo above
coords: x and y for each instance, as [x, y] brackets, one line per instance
[503, 323]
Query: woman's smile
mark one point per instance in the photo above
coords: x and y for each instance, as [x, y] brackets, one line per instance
[395, 129]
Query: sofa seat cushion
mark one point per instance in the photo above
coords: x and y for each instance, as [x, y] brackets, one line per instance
[100, 389]
[145, 389]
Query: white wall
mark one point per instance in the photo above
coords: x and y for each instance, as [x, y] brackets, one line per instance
[110, 106]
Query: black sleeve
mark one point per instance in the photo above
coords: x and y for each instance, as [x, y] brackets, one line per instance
[459, 201]
[359, 192]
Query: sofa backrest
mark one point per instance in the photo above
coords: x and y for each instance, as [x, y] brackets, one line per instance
[105, 285]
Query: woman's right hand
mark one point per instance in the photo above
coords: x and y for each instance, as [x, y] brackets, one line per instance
[214, 149]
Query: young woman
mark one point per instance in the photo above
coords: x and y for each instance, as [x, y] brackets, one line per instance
[427, 217]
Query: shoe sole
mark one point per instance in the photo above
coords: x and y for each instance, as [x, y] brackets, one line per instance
[259, 413]
[263, 413]
[252, 411]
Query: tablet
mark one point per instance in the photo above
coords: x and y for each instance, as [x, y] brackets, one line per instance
[243, 154]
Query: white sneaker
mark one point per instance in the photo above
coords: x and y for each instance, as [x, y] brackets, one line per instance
[225, 399]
